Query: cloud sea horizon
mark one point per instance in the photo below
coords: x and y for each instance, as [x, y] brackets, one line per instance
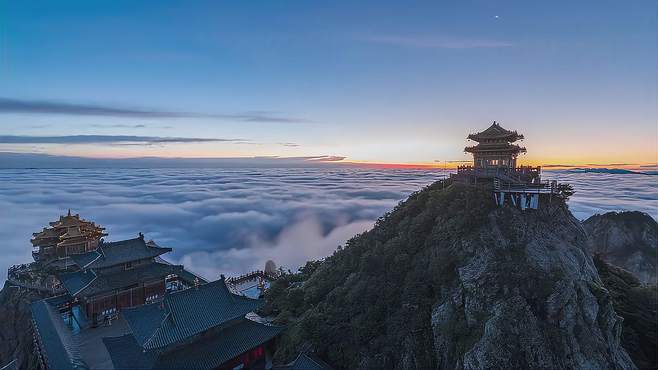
[230, 221]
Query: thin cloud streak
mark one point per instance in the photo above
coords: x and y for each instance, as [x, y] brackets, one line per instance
[13, 106]
[435, 42]
[107, 139]
[41, 160]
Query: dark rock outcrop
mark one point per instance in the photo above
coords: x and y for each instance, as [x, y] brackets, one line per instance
[448, 280]
[625, 239]
[15, 326]
[638, 305]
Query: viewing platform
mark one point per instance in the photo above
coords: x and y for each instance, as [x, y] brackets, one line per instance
[521, 174]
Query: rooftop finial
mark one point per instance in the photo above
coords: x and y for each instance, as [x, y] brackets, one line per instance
[141, 236]
[69, 214]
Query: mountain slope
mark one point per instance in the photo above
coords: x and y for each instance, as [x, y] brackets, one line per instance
[625, 239]
[638, 305]
[15, 327]
[448, 280]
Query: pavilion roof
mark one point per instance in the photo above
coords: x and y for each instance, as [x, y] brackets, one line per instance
[504, 147]
[114, 253]
[187, 313]
[67, 227]
[71, 232]
[46, 233]
[208, 353]
[495, 131]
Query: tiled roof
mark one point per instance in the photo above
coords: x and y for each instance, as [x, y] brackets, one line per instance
[305, 362]
[486, 147]
[71, 232]
[76, 282]
[207, 353]
[495, 131]
[57, 345]
[81, 283]
[186, 313]
[13, 365]
[115, 253]
[85, 259]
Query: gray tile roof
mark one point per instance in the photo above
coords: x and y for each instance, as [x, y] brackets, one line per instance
[90, 282]
[13, 365]
[207, 353]
[76, 282]
[186, 313]
[57, 344]
[305, 361]
[114, 253]
[84, 259]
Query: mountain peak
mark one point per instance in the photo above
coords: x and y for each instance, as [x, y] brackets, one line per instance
[449, 280]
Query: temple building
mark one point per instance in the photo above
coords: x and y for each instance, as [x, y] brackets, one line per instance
[70, 235]
[495, 161]
[205, 327]
[202, 327]
[121, 274]
[495, 149]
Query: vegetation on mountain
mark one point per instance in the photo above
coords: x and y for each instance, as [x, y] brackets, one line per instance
[638, 305]
[446, 280]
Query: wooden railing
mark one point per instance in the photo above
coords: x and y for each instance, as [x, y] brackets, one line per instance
[251, 276]
[548, 187]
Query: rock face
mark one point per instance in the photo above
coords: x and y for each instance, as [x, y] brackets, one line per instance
[448, 280]
[15, 326]
[638, 305]
[626, 239]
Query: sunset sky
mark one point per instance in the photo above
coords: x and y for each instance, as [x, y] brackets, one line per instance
[371, 81]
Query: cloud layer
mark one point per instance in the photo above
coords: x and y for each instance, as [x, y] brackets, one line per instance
[10, 160]
[231, 221]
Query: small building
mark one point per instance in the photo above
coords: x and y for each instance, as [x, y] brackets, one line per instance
[495, 161]
[70, 235]
[495, 149]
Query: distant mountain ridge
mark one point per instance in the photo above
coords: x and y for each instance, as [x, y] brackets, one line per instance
[615, 171]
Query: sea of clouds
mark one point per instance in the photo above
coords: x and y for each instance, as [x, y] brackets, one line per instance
[231, 221]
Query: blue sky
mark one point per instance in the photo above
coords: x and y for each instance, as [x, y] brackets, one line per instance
[378, 81]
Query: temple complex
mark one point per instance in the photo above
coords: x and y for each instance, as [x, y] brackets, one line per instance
[70, 235]
[120, 305]
[495, 161]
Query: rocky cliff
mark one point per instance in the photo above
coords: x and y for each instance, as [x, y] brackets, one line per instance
[15, 326]
[638, 305]
[449, 280]
[625, 239]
